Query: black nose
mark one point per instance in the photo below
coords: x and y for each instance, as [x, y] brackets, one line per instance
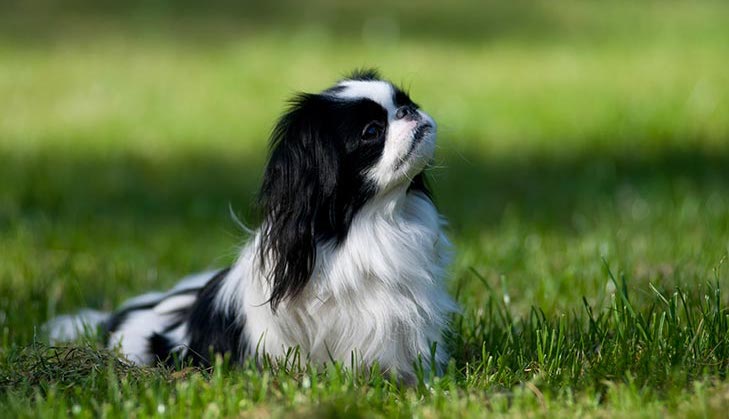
[406, 112]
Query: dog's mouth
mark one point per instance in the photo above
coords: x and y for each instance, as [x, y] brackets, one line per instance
[420, 132]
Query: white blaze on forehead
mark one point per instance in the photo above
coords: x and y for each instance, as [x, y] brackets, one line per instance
[375, 90]
[401, 158]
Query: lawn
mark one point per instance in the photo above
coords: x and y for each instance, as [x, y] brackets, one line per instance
[583, 165]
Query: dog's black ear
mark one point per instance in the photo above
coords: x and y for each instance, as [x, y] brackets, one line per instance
[298, 195]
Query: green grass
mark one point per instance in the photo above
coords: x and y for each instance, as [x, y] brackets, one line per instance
[583, 164]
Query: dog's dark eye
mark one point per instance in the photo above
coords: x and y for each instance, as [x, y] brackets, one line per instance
[372, 131]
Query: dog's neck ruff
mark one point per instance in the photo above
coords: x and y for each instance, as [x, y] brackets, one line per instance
[379, 293]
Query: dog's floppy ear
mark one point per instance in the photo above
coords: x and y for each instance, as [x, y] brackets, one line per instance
[298, 195]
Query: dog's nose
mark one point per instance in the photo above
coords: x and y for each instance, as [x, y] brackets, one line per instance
[406, 112]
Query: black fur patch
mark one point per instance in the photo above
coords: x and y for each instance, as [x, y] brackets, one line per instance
[401, 98]
[211, 330]
[314, 183]
[162, 348]
[119, 317]
[208, 328]
[364, 74]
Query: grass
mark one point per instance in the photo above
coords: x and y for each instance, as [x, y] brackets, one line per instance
[583, 165]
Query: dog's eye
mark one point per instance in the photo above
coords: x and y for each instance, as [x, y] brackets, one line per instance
[372, 131]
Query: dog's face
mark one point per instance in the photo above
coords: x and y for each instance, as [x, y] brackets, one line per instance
[332, 153]
[388, 136]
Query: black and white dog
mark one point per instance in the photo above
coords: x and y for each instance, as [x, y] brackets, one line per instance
[349, 260]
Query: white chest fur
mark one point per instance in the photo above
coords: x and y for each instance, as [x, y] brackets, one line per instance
[379, 294]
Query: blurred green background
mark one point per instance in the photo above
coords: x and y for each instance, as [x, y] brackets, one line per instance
[570, 132]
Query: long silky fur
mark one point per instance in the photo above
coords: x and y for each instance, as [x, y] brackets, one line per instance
[305, 197]
[349, 261]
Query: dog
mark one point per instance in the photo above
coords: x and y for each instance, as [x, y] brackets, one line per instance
[349, 261]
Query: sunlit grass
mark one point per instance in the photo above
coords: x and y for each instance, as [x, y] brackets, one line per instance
[583, 164]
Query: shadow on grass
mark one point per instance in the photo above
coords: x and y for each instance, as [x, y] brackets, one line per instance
[89, 204]
[474, 195]
[554, 192]
[71, 187]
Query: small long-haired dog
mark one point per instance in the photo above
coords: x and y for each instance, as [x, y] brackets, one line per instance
[348, 263]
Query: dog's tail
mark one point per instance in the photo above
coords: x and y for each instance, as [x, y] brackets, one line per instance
[70, 327]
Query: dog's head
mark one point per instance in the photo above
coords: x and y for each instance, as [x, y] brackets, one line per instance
[332, 153]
